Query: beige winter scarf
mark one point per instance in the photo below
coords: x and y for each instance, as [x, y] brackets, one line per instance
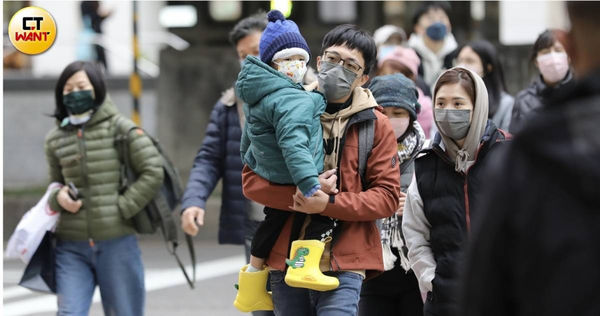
[334, 124]
[465, 156]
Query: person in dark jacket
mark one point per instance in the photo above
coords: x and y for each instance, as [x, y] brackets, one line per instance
[449, 177]
[552, 61]
[396, 291]
[535, 250]
[219, 157]
[96, 243]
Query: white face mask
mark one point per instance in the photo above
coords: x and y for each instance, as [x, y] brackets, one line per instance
[78, 119]
[553, 66]
[294, 69]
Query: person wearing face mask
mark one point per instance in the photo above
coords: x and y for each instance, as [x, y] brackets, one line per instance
[481, 57]
[96, 242]
[449, 179]
[432, 39]
[347, 56]
[239, 217]
[282, 142]
[551, 59]
[396, 291]
[535, 250]
[404, 60]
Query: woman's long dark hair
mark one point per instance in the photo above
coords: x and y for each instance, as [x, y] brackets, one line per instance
[494, 78]
[95, 76]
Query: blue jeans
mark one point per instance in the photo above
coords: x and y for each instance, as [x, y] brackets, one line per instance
[114, 265]
[291, 301]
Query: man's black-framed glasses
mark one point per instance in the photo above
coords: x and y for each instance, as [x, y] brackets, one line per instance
[335, 58]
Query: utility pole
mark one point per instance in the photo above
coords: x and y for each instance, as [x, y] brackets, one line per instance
[135, 82]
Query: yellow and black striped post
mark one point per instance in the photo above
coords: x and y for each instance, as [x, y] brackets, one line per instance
[135, 82]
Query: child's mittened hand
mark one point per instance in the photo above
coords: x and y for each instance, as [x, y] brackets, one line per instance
[328, 181]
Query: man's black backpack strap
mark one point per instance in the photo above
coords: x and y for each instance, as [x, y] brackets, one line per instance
[159, 212]
[366, 134]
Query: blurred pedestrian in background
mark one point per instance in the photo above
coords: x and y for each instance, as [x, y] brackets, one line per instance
[396, 291]
[481, 57]
[535, 250]
[432, 39]
[219, 158]
[448, 179]
[552, 61]
[90, 46]
[404, 60]
[96, 242]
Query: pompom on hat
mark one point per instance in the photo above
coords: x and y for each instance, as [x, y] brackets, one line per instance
[281, 35]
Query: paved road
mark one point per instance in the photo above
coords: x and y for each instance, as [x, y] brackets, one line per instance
[167, 291]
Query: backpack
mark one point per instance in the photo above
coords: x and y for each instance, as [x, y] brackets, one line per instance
[366, 134]
[159, 211]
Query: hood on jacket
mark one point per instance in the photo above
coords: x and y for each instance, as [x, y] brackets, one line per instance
[362, 99]
[465, 155]
[257, 80]
[105, 111]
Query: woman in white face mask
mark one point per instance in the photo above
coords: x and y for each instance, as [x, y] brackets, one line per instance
[449, 180]
[550, 58]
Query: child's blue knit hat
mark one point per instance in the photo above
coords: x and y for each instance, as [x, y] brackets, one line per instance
[280, 34]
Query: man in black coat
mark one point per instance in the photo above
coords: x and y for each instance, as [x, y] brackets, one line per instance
[537, 249]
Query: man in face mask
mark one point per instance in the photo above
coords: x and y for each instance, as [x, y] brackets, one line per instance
[432, 39]
[347, 55]
[239, 216]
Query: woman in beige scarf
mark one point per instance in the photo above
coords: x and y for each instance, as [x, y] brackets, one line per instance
[449, 179]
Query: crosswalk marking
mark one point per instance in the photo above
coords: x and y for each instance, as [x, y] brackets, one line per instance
[155, 280]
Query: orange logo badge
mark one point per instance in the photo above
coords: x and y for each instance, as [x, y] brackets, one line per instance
[32, 30]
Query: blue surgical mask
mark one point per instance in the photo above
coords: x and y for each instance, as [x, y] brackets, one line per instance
[437, 31]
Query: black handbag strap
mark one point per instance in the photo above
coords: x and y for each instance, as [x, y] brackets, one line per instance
[173, 250]
[171, 245]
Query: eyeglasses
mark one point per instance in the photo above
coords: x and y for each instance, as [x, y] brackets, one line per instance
[335, 58]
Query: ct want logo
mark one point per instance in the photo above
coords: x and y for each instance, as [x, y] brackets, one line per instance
[32, 30]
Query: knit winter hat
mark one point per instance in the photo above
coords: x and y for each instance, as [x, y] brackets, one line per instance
[403, 55]
[280, 34]
[398, 91]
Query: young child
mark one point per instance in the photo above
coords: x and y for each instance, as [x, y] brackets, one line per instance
[283, 143]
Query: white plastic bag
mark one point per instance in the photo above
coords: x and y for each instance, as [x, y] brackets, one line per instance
[32, 228]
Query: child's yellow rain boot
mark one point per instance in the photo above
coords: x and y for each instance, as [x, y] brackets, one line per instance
[303, 269]
[252, 292]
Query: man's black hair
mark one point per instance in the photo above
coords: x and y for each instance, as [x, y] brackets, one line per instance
[96, 77]
[247, 26]
[354, 38]
[428, 5]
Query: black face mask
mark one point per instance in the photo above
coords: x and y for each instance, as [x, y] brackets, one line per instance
[78, 102]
